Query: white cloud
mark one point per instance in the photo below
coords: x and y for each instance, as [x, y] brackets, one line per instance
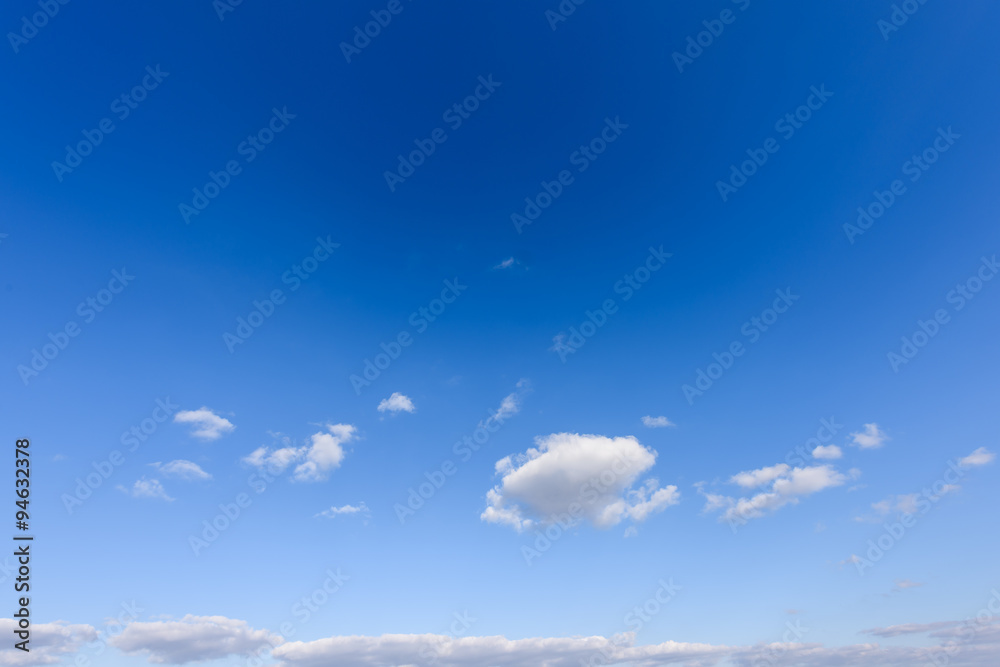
[511, 404]
[448, 651]
[587, 477]
[786, 486]
[506, 264]
[910, 629]
[751, 479]
[275, 461]
[977, 649]
[827, 452]
[315, 461]
[907, 503]
[345, 509]
[903, 584]
[656, 422]
[980, 457]
[872, 437]
[192, 639]
[205, 638]
[396, 403]
[147, 488]
[50, 642]
[181, 469]
[207, 424]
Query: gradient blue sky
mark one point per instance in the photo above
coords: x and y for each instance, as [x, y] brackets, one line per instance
[655, 186]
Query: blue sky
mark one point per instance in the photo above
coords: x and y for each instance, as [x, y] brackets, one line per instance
[780, 240]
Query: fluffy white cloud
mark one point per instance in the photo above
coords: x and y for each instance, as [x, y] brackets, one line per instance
[980, 457]
[181, 469]
[656, 422]
[50, 642]
[397, 402]
[207, 425]
[782, 484]
[147, 488]
[345, 509]
[871, 438]
[192, 639]
[827, 452]
[587, 477]
[316, 461]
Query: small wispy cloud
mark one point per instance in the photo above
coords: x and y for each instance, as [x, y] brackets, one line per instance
[656, 422]
[778, 485]
[333, 512]
[180, 469]
[850, 560]
[903, 584]
[907, 503]
[980, 457]
[397, 403]
[511, 404]
[207, 425]
[871, 438]
[147, 488]
[506, 264]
